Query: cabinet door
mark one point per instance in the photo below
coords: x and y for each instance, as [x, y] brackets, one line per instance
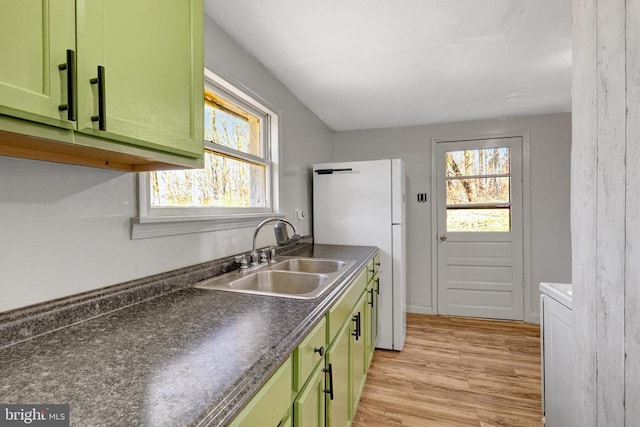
[357, 353]
[35, 37]
[152, 54]
[338, 414]
[374, 315]
[370, 316]
[308, 408]
[268, 407]
[372, 320]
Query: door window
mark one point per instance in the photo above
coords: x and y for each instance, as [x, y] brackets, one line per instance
[478, 190]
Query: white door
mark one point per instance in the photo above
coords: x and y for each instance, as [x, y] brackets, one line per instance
[480, 250]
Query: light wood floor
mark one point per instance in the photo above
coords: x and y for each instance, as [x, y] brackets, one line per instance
[456, 372]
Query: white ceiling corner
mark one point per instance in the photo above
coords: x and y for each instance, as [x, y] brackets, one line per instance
[362, 64]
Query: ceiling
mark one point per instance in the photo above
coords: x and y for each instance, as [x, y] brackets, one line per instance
[361, 64]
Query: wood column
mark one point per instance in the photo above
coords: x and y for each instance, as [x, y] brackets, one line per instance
[605, 224]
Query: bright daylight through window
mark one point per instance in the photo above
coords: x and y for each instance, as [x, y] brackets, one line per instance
[237, 177]
[478, 190]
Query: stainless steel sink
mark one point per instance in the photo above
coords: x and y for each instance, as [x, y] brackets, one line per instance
[310, 265]
[280, 282]
[302, 278]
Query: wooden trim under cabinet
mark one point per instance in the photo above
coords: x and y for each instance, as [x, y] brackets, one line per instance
[89, 153]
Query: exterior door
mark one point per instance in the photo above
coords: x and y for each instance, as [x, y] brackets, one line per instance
[479, 214]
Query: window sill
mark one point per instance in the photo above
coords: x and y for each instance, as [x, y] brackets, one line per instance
[147, 227]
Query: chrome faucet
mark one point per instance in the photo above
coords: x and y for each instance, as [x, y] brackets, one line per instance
[295, 237]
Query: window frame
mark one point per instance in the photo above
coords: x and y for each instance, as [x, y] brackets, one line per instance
[163, 221]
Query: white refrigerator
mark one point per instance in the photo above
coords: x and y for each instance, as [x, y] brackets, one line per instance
[363, 203]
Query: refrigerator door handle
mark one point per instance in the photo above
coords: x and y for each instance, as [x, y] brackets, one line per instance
[330, 171]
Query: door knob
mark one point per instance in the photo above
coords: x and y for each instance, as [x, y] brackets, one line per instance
[443, 237]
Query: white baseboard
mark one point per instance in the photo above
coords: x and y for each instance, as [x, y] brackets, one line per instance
[422, 309]
[419, 309]
[534, 318]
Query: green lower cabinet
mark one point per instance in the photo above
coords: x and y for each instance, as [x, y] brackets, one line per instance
[338, 412]
[370, 322]
[272, 403]
[374, 315]
[309, 406]
[357, 353]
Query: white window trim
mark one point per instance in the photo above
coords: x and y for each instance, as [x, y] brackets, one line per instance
[149, 224]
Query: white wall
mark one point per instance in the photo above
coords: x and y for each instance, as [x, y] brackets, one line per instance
[65, 229]
[550, 145]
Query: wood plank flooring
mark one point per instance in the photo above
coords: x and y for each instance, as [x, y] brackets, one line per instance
[456, 372]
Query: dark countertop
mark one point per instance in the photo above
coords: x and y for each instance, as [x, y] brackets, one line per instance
[189, 357]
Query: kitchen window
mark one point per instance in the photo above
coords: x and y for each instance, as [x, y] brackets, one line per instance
[238, 184]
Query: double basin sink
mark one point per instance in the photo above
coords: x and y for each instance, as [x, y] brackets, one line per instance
[291, 277]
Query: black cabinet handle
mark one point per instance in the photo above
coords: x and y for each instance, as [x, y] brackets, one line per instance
[355, 330]
[357, 333]
[70, 66]
[372, 270]
[370, 302]
[378, 286]
[329, 371]
[319, 350]
[101, 118]
[378, 264]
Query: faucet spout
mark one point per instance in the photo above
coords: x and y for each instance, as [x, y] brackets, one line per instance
[267, 221]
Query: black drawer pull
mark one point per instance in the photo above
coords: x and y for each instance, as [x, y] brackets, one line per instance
[370, 302]
[357, 333]
[319, 350]
[378, 286]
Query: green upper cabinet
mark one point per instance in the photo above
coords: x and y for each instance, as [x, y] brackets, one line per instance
[35, 36]
[151, 53]
[143, 111]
